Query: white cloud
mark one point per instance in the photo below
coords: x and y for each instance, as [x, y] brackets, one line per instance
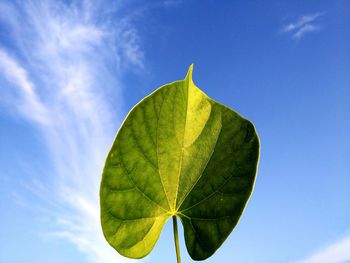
[63, 74]
[27, 99]
[303, 25]
[338, 252]
[305, 29]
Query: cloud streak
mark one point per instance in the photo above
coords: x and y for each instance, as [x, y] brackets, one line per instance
[26, 96]
[338, 252]
[303, 25]
[63, 72]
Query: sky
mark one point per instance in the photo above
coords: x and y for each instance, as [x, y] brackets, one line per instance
[71, 70]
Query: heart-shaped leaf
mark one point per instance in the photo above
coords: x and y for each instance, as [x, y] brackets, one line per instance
[178, 153]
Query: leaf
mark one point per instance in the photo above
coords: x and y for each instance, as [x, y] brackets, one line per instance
[180, 153]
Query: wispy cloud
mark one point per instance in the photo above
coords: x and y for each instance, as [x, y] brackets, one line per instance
[63, 70]
[338, 252]
[305, 24]
[26, 96]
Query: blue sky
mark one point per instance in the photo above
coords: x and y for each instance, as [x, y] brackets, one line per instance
[71, 70]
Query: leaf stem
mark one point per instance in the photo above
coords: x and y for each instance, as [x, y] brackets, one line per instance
[176, 239]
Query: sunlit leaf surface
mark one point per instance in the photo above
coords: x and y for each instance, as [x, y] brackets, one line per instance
[180, 153]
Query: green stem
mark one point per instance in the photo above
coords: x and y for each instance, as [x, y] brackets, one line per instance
[176, 239]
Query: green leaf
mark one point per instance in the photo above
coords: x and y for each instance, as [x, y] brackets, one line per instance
[180, 153]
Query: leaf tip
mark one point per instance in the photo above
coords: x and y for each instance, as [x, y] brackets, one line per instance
[189, 72]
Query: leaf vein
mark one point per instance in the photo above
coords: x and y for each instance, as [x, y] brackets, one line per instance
[161, 178]
[137, 187]
[197, 236]
[212, 194]
[201, 174]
